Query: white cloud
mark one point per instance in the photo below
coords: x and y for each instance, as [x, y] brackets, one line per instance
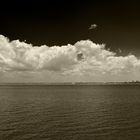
[92, 26]
[84, 60]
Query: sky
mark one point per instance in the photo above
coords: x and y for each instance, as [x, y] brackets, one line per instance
[69, 41]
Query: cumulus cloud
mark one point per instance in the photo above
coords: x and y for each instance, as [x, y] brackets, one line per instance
[92, 26]
[83, 59]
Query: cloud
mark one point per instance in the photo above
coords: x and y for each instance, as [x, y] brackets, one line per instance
[84, 59]
[92, 26]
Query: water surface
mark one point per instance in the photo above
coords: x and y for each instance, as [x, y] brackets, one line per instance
[70, 112]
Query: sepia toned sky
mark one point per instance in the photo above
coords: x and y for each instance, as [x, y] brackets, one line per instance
[108, 52]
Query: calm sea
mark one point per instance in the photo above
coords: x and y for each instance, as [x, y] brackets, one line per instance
[70, 112]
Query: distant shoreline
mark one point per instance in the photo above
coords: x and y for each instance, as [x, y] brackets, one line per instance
[70, 84]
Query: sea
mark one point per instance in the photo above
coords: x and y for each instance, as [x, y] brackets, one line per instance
[70, 112]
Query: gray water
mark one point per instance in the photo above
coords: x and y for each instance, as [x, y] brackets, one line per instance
[70, 112]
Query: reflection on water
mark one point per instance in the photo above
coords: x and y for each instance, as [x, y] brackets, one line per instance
[70, 112]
